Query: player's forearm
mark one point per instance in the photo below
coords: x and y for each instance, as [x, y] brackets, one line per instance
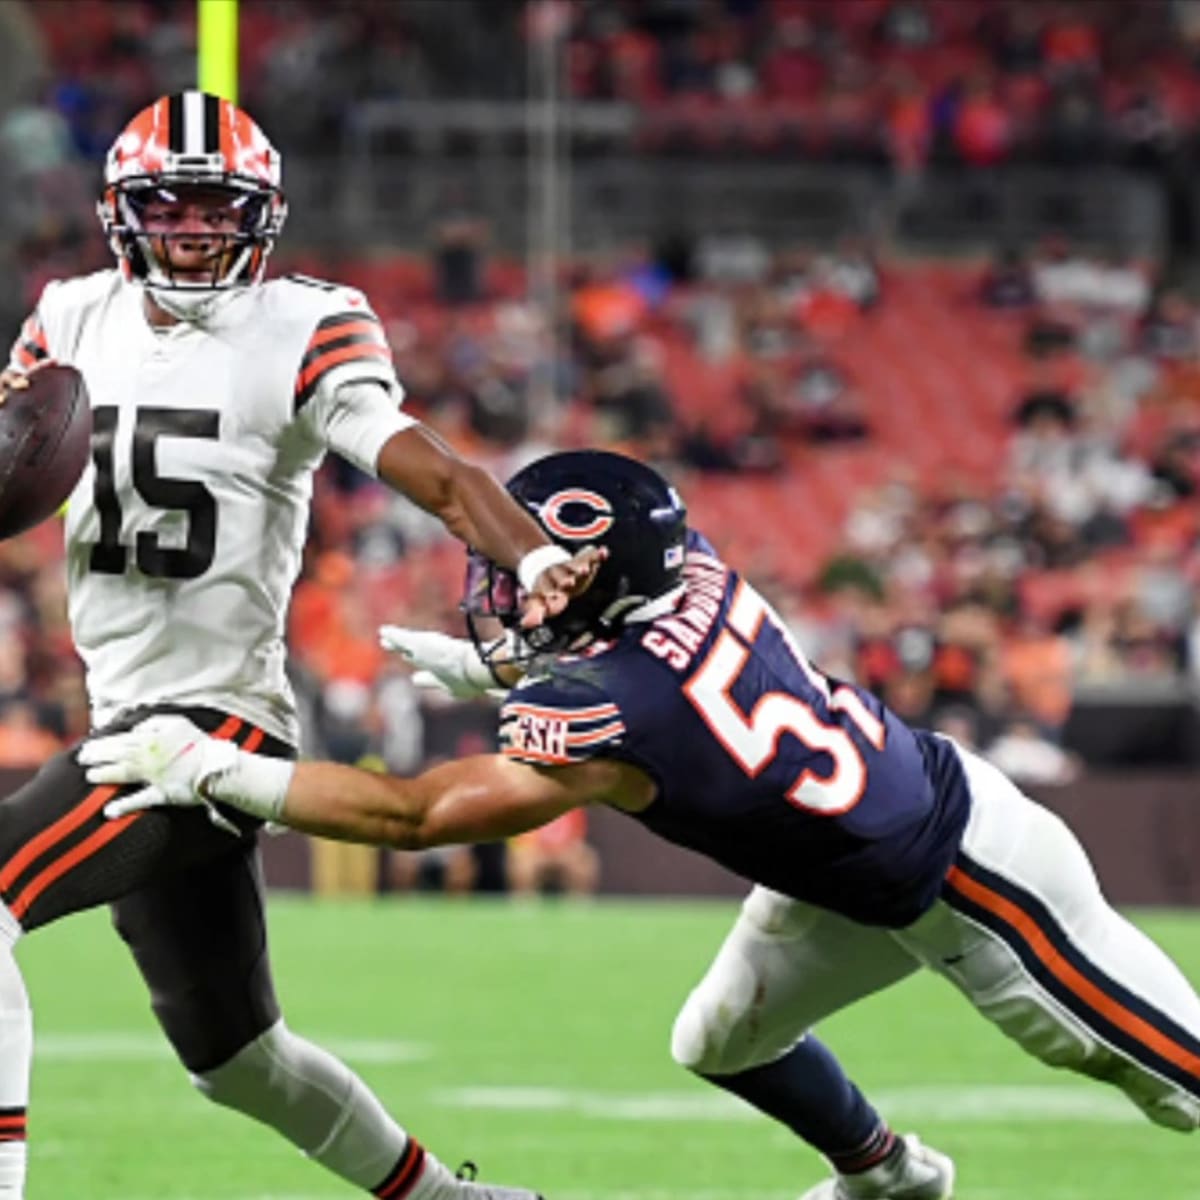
[472, 800]
[321, 798]
[352, 805]
[466, 498]
[487, 518]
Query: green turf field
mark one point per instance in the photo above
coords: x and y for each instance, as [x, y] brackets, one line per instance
[534, 1039]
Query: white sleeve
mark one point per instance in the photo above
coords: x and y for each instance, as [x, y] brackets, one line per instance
[356, 419]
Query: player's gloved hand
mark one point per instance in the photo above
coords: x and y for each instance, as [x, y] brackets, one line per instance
[170, 755]
[446, 663]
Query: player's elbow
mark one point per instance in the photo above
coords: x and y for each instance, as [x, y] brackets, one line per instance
[404, 835]
[401, 817]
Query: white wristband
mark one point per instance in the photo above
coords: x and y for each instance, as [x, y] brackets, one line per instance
[254, 784]
[536, 561]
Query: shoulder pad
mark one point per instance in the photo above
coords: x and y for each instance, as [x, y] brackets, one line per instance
[547, 723]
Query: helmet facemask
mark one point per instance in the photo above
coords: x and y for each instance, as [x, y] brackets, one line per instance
[231, 229]
[492, 603]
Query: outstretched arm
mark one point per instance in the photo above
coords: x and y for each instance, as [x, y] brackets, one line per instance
[478, 799]
[475, 508]
[471, 800]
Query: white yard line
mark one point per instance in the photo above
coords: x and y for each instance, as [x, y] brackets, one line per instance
[952, 1104]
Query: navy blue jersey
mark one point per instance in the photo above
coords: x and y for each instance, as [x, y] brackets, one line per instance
[792, 779]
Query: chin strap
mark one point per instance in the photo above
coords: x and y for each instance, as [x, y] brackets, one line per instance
[195, 306]
[647, 610]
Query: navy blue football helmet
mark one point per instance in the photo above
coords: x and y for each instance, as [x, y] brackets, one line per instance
[587, 498]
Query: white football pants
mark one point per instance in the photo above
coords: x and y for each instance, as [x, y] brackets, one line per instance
[1021, 929]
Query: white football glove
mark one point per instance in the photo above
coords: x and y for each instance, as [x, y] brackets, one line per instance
[170, 755]
[445, 663]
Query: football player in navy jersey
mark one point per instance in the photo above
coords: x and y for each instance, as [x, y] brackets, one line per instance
[672, 691]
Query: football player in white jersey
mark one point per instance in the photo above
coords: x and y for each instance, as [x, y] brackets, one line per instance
[215, 396]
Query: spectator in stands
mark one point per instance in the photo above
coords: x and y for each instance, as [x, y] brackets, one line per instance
[1008, 283]
[1071, 42]
[1161, 589]
[1037, 666]
[25, 743]
[822, 404]
[908, 125]
[1168, 330]
[906, 24]
[1073, 129]
[554, 859]
[1145, 126]
[720, 444]
[1120, 643]
[1175, 464]
[630, 399]
[793, 66]
[458, 252]
[1026, 756]
[982, 130]
[1046, 419]
[1014, 34]
[960, 723]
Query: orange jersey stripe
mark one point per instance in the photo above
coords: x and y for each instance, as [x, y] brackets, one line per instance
[230, 726]
[333, 357]
[60, 866]
[67, 824]
[1069, 976]
[597, 735]
[255, 740]
[340, 331]
[101, 838]
[32, 331]
[408, 1171]
[563, 714]
[35, 847]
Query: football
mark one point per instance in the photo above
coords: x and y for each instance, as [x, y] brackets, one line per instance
[45, 439]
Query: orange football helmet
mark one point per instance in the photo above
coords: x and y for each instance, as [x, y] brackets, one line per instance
[192, 142]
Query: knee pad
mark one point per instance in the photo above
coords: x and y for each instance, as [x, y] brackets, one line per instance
[773, 915]
[721, 1028]
[728, 1023]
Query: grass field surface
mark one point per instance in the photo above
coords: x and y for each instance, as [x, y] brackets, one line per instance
[533, 1039]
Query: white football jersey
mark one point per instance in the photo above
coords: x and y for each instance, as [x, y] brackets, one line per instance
[185, 532]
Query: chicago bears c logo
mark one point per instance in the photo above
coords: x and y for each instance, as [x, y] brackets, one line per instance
[597, 516]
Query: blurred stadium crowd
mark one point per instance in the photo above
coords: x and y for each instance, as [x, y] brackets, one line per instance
[971, 485]
[973, 81]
